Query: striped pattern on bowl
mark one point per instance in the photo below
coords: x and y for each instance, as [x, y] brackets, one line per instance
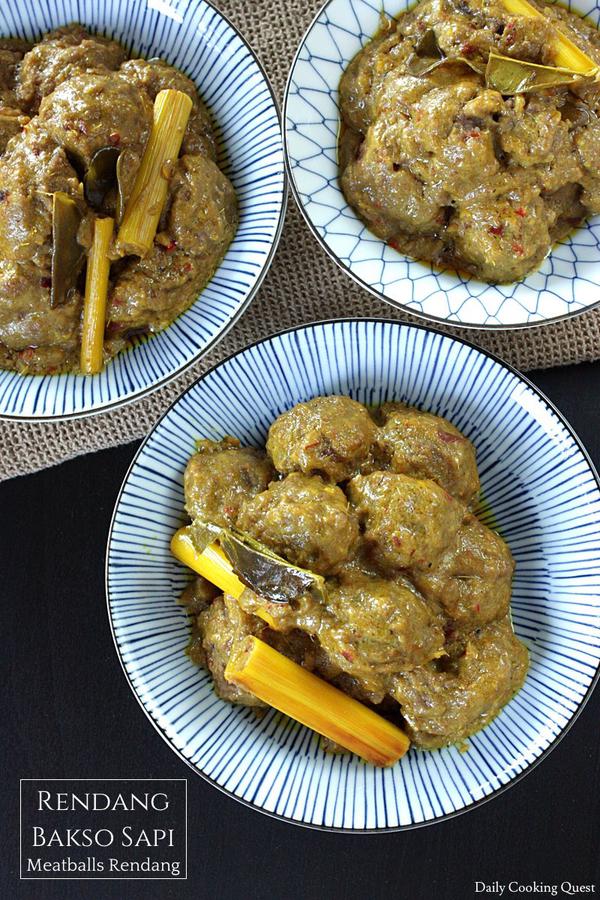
[545, 498]
[193, 36]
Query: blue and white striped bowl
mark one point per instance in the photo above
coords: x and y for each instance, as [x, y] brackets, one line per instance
[536, 478]
[565, 284]
[199, 40]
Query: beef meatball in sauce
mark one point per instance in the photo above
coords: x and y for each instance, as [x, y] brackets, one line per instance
[329, 436]
[408, 522]
[220, 477]
[304, 519]
[426, 446]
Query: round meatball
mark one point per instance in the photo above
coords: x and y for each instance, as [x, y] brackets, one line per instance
[427, 446]
[445, 705]
[305, 520]
[32, 169]
[94, 110]
[62, 54]
[154, 76]
[26, 318]
[330, 436]
[199, 226]
[220, 476]
[218, 629]
[373, 627]
[11, 55]
[408, 522]
[472, 580]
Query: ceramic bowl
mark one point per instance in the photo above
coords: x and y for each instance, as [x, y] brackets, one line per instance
[537, 480]
[199, 40]
[566, 283]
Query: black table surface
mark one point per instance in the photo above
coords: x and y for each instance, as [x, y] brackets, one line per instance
[68, 712]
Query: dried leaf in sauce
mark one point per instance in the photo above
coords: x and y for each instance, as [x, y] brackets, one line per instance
[427, 45]
[67, 253]
[101, 176]
[514, 76]
[263, 571]
[428, 55]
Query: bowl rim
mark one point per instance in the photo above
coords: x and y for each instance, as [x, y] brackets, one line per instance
[167, 379]
[332, 828]
[418, 314]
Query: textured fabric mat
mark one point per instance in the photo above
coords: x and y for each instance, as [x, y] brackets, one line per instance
[302, 285]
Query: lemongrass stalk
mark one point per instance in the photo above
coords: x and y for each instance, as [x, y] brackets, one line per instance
[285, 685]
[145, 205]
[94, 304]
[213, 565]
[566, 54]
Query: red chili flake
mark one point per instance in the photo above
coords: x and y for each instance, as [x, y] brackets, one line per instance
[511, 36]
[187, 267]
[518, 248]
[498, 230]
[229, 510]
[114, 138]
[474, 133]
[396, 541]
[347, 654]
[449, 438]
[521, 212]
[170, 246]
[312, 445]
[116, 302]
[46, 282]
[468, 49]
[27, 354]
[477, 607]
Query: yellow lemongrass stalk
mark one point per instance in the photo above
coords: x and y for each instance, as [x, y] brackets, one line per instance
[213, 565]
[566, 54]
[94, 304]
[144, 208]
[288, 687]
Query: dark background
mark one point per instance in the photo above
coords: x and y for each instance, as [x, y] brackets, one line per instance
[68, 712]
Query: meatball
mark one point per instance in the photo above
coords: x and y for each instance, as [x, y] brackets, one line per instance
[219, 629]
[444, 706]
[94, 110]
[408, 522]
[154, 76]
[305, 520]
[373, 627]
[30, 172]
[329, 436]
[220, 476]
[198, 595]
[200, 223]
[426, 446]
[472, 580]
[26, 317]
[11, 54]
[62, 54]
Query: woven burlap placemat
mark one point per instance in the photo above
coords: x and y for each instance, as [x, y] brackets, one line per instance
[301, 286]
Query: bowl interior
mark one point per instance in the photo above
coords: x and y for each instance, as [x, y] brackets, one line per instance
[195, 38]
[545, 499]
[563, 286]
